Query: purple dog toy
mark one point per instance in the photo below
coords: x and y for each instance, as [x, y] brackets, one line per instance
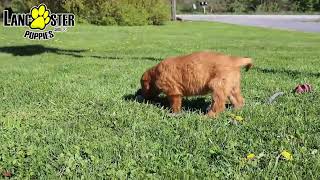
[303, 88]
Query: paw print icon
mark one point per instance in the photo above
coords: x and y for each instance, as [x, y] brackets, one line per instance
[40, 16]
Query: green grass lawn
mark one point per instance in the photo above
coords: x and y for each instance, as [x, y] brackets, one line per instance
[64, 110]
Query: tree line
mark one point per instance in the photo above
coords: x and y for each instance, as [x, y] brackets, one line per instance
[102, 12]
[252, 6]
[156, 12]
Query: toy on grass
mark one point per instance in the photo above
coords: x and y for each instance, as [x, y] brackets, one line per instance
[303, 88]
[273, 97]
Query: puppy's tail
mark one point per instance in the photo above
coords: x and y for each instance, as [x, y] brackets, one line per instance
[244, 62]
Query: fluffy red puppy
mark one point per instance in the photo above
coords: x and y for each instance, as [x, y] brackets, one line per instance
[198, 73]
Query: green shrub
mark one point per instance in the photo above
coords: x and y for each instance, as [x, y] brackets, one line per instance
[274, 7]
[268, 7]
[218, 7]
[239, 7]
[262, 8]
[105, 12]
[132, 16]
[107, 20]
[20, 6]
[158, 13]
[128, 12]
[78, 7]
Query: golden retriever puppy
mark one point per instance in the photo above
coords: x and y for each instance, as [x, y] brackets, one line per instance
[199, 73]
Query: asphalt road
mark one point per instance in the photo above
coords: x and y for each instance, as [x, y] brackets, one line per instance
[304, 23]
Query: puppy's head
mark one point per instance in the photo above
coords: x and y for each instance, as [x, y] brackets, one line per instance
[148, 90]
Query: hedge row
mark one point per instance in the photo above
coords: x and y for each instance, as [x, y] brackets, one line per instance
[105, 12]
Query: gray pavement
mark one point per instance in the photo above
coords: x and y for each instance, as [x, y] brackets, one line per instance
[304, 23]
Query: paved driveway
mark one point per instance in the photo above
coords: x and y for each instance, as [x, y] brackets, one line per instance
[305, 23]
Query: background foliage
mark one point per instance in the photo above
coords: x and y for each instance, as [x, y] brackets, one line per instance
[105, 12]
[156, 12]
[249, 6]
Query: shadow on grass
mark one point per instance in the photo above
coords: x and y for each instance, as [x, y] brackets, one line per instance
[195, 104]
[288, 72]
[128, 57]
[31, 50]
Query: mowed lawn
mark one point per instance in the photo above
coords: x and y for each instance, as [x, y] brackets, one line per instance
[66, 107]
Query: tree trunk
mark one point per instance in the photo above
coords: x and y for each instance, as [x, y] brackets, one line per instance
[173, 10]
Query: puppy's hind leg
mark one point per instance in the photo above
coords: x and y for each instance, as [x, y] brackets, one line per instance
[236, 98]
[220, 90]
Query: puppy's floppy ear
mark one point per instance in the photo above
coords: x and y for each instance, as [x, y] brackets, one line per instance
[147, 83]
[149, 74]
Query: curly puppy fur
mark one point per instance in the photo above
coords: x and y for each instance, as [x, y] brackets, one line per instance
[199, 73]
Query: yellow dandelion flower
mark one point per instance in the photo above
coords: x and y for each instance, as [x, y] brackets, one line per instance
[286, 155]
[251, 156]
[236, 118]
[239, 118]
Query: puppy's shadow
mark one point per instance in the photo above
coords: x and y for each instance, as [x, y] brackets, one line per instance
[198, 104]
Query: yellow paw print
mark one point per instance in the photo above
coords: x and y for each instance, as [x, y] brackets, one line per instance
[40, 16]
